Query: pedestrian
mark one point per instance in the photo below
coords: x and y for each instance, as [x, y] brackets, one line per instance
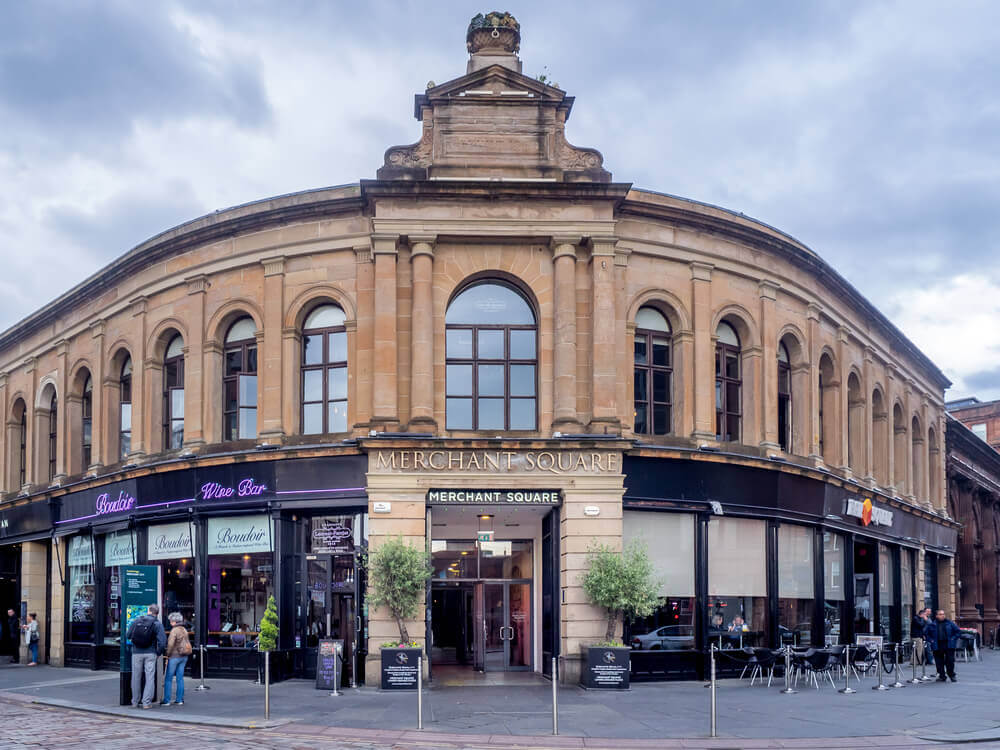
[148, 640]
[942, 635]
[920, 620]
[13, 635]
[178, 651]
[30, 628]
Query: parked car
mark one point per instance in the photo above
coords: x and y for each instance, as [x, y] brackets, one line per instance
[672, 637]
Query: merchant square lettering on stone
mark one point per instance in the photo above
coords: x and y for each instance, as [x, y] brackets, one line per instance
[551, 462]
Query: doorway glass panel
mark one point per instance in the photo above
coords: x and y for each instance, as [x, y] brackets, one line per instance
[519, 629]
[318, 575]
[496, 627]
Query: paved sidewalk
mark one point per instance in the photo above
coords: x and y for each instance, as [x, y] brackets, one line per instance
[964, 711]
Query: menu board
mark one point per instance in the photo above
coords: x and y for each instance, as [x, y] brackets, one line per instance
[140, 587]
[329, 664]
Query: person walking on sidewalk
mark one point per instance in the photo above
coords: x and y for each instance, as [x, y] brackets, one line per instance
[148, 639]
[30, 628]
[920, 620]
[942, 635]
[178, 651]
[13, 635]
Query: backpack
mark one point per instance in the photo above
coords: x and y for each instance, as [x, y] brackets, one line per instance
[144, 632]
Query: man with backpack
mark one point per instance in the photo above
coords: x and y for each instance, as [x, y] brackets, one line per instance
[148, 640]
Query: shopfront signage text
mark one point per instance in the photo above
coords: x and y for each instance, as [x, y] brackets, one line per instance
[546, 462]
[868, 513]
[169, 541]
[245, 488]
[105, 504]
[241, 534]
[493, 497]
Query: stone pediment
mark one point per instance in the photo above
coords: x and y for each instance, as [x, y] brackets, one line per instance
[493, 124]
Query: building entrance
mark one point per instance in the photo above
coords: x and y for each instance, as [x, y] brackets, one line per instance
[330, 608]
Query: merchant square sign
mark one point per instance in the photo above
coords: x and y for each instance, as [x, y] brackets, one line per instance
[500, 461]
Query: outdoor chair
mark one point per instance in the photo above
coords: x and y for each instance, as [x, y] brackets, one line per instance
[764, 659]
[819, 664]
[863, 661]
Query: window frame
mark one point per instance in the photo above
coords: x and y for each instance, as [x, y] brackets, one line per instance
[649, 368]
[168, 415]
[125, 398]
[53, 435]
[86, 423]
[24, 448]
[784, 400]
[722, 405]
[244, 347]
[325, 366]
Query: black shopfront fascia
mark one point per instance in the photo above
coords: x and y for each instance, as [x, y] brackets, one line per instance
[281, 489]
[776, 497]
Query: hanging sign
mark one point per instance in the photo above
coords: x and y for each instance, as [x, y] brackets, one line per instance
[241, 534]
[868, 512]
[169, 541]
[118, 549]
[331, 536]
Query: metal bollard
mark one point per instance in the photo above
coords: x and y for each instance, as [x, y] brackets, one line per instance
[267, 685]
[896, 669]
[336, 677]
[914, 680]
[420, 692]
[712, 719]
[878, 670]
[555, 698]
[847, 689]
[201, 663]
[788, 673]
[924, 677]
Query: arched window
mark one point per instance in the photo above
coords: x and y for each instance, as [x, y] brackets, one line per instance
[87, 423]
[784, 399]
[728, 383]
[125, 409]
[880, 439]
[916, 460]
[53, 435]
[239, 381]
[324, 371]
[491, 353]
[173, 394]
[23, 448]
[856, 434]
[899, 457]
[652, 373]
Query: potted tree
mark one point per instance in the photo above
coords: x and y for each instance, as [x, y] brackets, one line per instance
[267, 641]
[397, 577]
[623, 585]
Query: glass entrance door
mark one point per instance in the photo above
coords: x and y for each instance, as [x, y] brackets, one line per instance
[506, 622]
[330, 607]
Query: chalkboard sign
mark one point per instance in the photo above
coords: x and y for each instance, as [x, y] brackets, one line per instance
[329, 664]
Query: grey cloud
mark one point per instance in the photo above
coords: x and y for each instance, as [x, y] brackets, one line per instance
[987, 381]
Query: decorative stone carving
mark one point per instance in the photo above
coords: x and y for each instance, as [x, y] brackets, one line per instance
[493, 31]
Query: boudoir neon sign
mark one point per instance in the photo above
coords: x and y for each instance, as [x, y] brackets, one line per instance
[105, 504]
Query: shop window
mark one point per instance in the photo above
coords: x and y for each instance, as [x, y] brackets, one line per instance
[833, 585]
[784, 399]
[336, 535]
[652, 373]
[507, 560]
[906, 584]
[931, 581]
[125, 409]
[669, 540]
[80, 589]
[171, 546]
[886, 591]
[737, 582]
[795, 584]
[53, 442]
[119, 549]
[87, 424]
[173, 395]
[728, 384]
[239, 382]
[491, 356]
[324, 371]
[240, 578]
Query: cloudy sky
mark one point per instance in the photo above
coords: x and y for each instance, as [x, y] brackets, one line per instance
[868, 130]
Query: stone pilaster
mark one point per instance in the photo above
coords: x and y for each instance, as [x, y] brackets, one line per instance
[565, 417]
[365, 335]
[195, 405]
[814, 394]
[274, 391]
[604, 410]
[869, 437]
[386, 387]
[768, 293]
[99, 442]
[422, 334]
[140, 378]
[704, 353]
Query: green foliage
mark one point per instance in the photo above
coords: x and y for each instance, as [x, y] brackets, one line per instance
[268, 639]
[397, 575]
[621, 583]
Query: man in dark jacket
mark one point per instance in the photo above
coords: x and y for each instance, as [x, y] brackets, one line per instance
[942, 636]
[12, 635]
[144, 654]
[920, 620]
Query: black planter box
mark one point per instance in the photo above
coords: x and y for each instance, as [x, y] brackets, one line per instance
[399, 668]
[605, 668]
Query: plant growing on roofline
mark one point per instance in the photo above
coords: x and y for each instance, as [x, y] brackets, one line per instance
[621, 583]
[397, 576]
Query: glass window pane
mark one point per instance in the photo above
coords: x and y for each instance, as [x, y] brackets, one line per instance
[522, 345]
[312, 350]
[125, 443]
[248, 423]
[234, 361]
[325, 316]
[337, 416]
[661, 419]
[170, 377]
[522, 380]
[640, 350]
[718, 395]
[732, 397]
[338, 346]
[459, 343]
[491, 414]
[459, 413]
[312, 419]
[229, 395]
[241, 330]
[661, 352]
[176, 434]
[641, 426]
[337, 387]
[640, 382]
[732, 365]
[251, 360]
[229, 425]
[248, 390]
[87, 429]
[795, 562]
[491, 380]
[661, 386]
[459, 380]
[490, 303]
[490, 345]
[312, 385]
[126, 417]
[177, 403]
[522, 414]
[733, 427]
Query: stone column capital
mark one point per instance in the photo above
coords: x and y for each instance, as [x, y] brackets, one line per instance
[385, 244]
[602, 246]
[422, 244]
[97, 328]
[62, 347]
[197, 284]
[139, 305]
[274, 266]
[563, 249]
[701, 271]
[363, 252]
[813, 311]
[768, 289]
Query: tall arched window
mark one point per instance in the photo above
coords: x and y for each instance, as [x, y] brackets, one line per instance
[125, 409]
[491, 353]
[23, 447]
[239, 382]
[880, 439]
[652, 373]
[784, 399]
[87, 423]
[53, 435]
[173, 394]
[728, 383]
[856, 434]
[899, 456]
[324, 371]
